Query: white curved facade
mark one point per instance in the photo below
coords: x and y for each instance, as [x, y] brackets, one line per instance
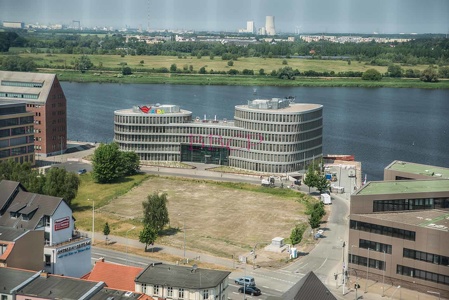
[273, 136]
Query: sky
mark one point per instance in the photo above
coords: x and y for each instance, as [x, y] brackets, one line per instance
[304, 16]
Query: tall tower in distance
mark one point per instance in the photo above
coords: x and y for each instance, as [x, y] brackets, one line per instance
[250, 26]
[269, 25]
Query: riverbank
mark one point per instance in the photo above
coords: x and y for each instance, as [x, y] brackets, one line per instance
[240, 80]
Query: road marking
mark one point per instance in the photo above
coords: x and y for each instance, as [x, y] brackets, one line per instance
[265, 286]
[322, 264]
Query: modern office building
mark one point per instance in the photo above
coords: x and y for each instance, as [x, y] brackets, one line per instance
[45, 98]
[16, 133]
[269, 25]
[399, 233]
[273, 136]
[401, 170]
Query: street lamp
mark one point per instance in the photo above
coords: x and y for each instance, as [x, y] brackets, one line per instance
[93, 220]
[367, 272]
[184, 229]
[126, 237]
[344, 267]
[436, 293]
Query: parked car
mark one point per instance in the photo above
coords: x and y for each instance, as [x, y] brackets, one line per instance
[246, 280]
[250, 290]
[82, 171]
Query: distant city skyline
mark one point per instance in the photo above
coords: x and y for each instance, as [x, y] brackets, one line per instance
[304, 16]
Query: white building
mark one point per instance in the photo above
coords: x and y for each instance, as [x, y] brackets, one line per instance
[65, 251]
[162, 281]
[269, 25]
[250, 27]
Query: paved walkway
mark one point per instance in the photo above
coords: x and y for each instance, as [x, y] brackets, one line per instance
[374, 289]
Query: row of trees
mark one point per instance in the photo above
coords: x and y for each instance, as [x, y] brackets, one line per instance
[427, 50]
[428, 75]
[56, 182]
[316, 212]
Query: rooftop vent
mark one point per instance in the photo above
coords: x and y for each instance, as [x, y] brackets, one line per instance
[128, 294]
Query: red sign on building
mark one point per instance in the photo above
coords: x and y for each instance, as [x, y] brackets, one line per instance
[62, 223]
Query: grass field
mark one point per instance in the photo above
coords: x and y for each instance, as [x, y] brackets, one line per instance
[221, 219]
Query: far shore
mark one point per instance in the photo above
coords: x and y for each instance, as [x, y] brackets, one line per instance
[241, 80]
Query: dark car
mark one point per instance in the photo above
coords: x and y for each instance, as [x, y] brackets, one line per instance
[250, 290]
[82, 171]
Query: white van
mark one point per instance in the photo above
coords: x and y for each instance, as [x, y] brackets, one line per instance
[246, 280]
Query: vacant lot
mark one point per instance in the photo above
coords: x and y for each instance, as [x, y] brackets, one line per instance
[218, 220]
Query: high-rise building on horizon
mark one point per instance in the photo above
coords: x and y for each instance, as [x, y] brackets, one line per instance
[269, 25]
[250, 26]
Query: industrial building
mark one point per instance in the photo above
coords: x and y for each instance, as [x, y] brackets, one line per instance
[45, 99]
[399, 229]
[272, 136]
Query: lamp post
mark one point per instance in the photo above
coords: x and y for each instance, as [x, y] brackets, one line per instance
[436, 293]
[184, 230]
[344, 267]
[383, 277]
[367, 272]
[126, 237]
[93, 220]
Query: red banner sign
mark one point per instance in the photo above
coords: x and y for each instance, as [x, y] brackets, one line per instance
[62, 223]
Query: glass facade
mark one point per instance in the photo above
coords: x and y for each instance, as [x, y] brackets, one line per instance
[383, 230]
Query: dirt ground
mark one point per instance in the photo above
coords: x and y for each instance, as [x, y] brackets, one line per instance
[219, 221]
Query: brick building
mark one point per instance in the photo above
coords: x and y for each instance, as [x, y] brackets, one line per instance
[44, 97]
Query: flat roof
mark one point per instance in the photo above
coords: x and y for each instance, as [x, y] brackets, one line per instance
[420, 169]
[293, 108]
[431, 218]
[404, 187]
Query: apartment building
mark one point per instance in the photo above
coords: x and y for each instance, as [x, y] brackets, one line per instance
[45, 99]
[65, 250]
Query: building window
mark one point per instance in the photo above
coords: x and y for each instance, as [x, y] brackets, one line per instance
[205, 294]
[379, 247]
[156, 290]
[181, 293]
[383, 230]
[170, 292]
[144, 288]
[424, 275]
[427, 257]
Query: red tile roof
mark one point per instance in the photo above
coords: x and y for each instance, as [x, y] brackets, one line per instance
[115, 276]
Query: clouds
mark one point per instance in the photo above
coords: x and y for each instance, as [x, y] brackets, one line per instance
[356, 16]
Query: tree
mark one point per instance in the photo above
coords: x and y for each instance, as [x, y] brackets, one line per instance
[443, 72]
[372, 74]
[310, 177]
[285, 62]
[106, 163]
[126, 71]
[230, 63]
[261, 72]
[321, 183]
[202, 70]
[429, 75]
[155, 213]
[173, 68]
[106, 231]
[394, 71]
[83, 63]
[60, 183]
[148, 236]
[315, 219]
[286, 73]
[129, 163]
[297, 233]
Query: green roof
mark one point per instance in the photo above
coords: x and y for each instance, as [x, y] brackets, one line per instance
[413, 168]
[404, 187]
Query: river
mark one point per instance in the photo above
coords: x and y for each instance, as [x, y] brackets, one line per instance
[377, 125]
